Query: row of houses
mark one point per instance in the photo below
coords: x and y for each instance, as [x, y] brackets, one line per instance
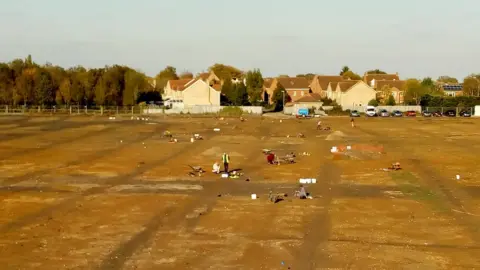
[205, 89]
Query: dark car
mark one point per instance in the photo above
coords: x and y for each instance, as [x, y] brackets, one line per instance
[450, 113]
[354, 113]
[411, 113]
[427, 114]
[465, 114]
[397, 113]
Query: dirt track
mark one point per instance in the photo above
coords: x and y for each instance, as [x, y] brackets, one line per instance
[93, 193]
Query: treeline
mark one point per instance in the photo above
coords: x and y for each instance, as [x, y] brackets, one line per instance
[24, 82]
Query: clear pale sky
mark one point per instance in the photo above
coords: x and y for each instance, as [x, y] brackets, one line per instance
[414, 38]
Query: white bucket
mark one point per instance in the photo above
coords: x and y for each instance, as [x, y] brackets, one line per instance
[224, 175]
[254, 196]
[349, 147]
[192, 140]
[458, 177]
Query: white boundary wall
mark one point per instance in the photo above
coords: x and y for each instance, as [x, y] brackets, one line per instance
[476, 111]
[202, 109]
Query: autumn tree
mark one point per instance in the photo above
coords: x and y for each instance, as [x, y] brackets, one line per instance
[65, 91]
[384, 93]
[100, 92]
[414, 90]
[6, 84]
[25, 86]
[471, 85]
[169, 73]
[224, 71]
[254, 84]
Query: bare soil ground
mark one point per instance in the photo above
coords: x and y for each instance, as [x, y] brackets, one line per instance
[93, 193]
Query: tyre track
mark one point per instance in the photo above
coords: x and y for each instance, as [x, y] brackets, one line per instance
[92, 157]
[207, 198]
[454, 197]
[69, 203]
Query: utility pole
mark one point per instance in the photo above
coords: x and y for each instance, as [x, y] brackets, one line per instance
[283, 98]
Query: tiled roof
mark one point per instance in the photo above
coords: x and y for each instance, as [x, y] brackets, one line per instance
[203, 75]
[345, 86]
[294, 83]
[179, 85]
[312, 97]
[379, 77]
[267, 82]
[325, 80]
[399, 84]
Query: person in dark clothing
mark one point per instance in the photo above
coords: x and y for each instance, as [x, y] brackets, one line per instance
[226, 161]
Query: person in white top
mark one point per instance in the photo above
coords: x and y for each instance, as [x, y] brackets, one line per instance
[319, 124]
[216, 168]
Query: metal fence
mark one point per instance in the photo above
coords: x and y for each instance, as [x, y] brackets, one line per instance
[73, 110]
[443, 110]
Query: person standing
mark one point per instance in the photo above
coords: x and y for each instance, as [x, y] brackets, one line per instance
[319, 124]
[226, 161]
[352, 121]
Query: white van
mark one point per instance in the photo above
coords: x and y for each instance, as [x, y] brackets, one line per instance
[371, 111]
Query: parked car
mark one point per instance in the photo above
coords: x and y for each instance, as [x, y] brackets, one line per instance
[427, 114]
[411, 113]
[354, 113]
[437, 114]
[397, 113]
[384, 113]
[371, 111]
[450, 113]
[465, 114]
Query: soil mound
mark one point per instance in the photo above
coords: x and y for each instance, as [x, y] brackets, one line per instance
[335, 136]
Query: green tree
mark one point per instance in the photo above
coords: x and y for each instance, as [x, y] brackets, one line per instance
[278, 97]
[44, 88]
[169, 73]
[225, 71]
[239, 95]
[254, 84]
[447, 79]
[186, 75]
[350, 75]
[391, 101]
[228, 91]
[308, 76]
[344, 70]
[134, 83]
[376, 71]
[373, 102]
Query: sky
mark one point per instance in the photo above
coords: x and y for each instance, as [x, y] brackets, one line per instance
[414, 38]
